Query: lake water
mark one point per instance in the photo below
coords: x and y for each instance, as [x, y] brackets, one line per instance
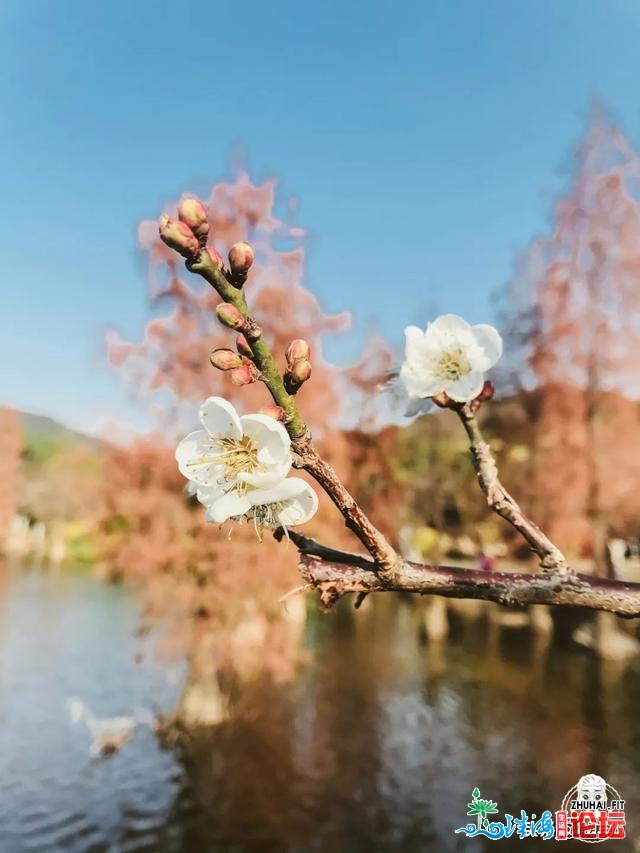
[375, 746]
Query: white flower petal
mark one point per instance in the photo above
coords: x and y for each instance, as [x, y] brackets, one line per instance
[449, 330]
[420, 384]
[466, 388]
[228, 506]
[300, 507]
[191, 455]
[190, 446]
[418, 406]
[220, 418]
[414, 339]
[276, 493]
[271, 438]
[490, 341]
[266, 479]
[208, 494]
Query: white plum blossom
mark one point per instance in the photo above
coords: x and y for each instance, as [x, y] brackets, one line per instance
[233, 453]
[238, 465]
[286, 504]
[451, 356]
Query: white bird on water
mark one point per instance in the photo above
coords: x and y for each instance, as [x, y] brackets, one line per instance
[108, 735]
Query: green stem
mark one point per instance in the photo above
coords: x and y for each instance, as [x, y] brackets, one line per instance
[265, 362]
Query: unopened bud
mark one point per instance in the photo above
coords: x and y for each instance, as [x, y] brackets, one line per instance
[276, 412]
[488, 390]
[229, 316]
[301, 371]
[215, 256]
[297, 374]
[242, 345]
[245, 374]
[178, 236]
[225, 359]
[297, 350]
[240, 260]
[193, 213]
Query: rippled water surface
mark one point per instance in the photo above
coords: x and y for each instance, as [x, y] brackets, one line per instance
[376, 746]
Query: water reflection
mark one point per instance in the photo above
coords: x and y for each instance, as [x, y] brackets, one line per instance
[375, 746]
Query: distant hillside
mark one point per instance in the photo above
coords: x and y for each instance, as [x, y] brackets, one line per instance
[38, 427]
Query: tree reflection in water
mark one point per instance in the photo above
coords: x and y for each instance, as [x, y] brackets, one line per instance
[376, 745]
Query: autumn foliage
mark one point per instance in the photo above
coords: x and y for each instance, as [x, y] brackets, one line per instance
[10, 450]
[573, 314]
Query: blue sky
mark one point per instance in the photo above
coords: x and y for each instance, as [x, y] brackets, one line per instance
[425, 140]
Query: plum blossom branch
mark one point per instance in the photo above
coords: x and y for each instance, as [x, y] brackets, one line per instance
[444, 364]
[228, 285]
[335, 574]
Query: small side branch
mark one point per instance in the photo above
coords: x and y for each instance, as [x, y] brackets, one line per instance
[498, 498]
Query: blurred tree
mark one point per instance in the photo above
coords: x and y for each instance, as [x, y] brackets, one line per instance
[10, 450]
[572, 318]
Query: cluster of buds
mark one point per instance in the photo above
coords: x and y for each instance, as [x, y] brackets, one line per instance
[241, 369]
[178, 236]
[298, 365]
[193, 213]
[187, 234]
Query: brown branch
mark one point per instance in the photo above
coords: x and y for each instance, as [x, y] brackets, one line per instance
[385, 561]
[498, 498]
[335, 578]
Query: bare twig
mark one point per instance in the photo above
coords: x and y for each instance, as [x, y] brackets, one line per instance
[499, 499]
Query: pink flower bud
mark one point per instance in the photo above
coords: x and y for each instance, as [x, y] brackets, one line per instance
[193, 213]
[215, 256]
[225, 359]
[300, 371]
[178, 236]
[240, 258]
[245, 374]
[296, 350]
[488, 390]
[276, 412]
[296, 375]
[243, 347]
[229, 316]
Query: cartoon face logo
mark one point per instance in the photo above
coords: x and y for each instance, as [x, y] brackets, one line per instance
[592, 787]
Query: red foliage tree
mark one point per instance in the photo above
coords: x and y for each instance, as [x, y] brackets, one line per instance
[573, 313]
[10, 450]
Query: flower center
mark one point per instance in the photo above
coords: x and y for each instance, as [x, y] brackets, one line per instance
[235, 455]
[452, 365]
[239, 455]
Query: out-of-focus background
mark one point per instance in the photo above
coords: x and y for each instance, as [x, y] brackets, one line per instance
[388, 163]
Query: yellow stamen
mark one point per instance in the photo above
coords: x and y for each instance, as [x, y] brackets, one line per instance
[453, 365]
